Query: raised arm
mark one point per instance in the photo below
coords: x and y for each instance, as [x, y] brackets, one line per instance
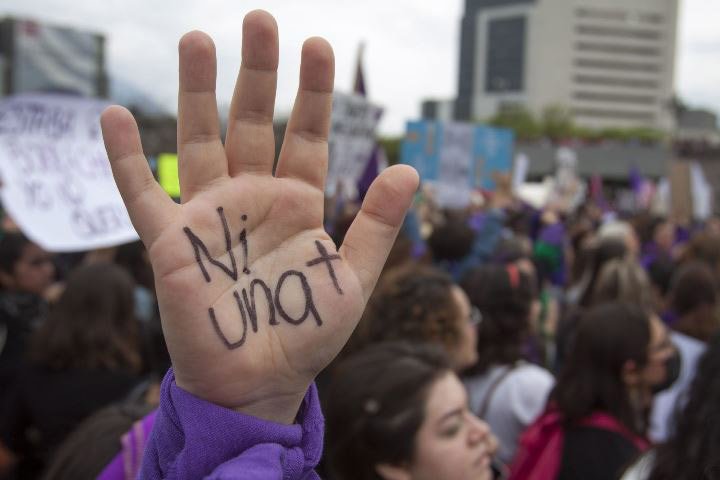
[255, 299]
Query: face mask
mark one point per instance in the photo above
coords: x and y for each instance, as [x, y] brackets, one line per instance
[672, 372]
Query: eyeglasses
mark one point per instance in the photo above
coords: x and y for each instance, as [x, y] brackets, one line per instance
[475, 316]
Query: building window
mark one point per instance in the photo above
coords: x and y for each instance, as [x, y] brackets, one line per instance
[615, 97]
[505, 68]
[613, 65]
[650, 18]
[601, 14]
[613, 48]
[605, 81]
[617, 32]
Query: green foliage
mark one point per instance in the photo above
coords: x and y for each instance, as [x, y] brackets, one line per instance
[557, 123]
[520, 120]
[644, 135]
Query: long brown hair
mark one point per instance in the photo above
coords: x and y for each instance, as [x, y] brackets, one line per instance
[92, 325]
[608, 336]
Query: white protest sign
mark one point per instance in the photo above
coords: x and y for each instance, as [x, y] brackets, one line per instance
[351, 141]
[522, 165]
[456, 165]
[701, 191]
[56, 178]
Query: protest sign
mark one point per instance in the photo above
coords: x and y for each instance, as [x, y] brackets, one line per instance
[702, 192]
[351, 141]
[56, 179]
[457, 157]
[520, 171]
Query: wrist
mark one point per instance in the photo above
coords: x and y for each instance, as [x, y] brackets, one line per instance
[282, 408]
[271, 405]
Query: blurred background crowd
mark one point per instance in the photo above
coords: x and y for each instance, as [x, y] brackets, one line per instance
[580, 331]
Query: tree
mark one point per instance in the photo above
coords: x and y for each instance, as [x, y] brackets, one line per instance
[557, 122]
[520, 120]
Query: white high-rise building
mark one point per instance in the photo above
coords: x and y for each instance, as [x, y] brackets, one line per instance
[610, 62]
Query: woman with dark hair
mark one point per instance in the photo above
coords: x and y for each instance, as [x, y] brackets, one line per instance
[694, 302]
[85, 356]
[601, 253]
[422, 304]
[397, 411]
[107, 445]
[504, 390]
[581, 296]
[26, 271]
[597, 418]
[693, 450]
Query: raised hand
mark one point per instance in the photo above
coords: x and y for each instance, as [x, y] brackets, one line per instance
[254, 297]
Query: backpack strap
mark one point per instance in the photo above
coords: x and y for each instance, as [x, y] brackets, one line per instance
[482, 411]
[607, 422]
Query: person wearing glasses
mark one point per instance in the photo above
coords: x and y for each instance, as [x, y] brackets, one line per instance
[597, 418]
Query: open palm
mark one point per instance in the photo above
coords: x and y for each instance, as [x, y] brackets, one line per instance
[254, 298]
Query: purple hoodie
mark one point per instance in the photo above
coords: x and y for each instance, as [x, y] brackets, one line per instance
[194, 439]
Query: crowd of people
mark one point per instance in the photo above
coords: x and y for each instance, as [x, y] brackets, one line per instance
[498, 341]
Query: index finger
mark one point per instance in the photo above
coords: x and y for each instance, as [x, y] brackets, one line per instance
[149, 207]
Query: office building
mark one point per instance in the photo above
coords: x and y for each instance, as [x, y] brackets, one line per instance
[611, 63]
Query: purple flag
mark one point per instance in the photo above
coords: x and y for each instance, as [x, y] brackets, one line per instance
[359, 84]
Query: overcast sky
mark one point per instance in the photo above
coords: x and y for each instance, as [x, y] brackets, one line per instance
[411, 46]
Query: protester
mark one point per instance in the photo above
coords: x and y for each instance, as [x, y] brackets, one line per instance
[505, 391]
[579, 297]
[692, 450]
[704, 248]
[133, 258]
[115, 435]
[397, 411]
[622, 280]
[259, 283]
[599, 254]
[694, 302]
[86, 355]
[230, 198]
[421, 304]
[661, 272]
[597, 418]
[26, 272]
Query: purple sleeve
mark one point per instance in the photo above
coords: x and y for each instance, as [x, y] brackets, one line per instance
[194, 439]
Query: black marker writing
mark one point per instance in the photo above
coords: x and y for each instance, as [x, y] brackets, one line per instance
[327, 260]
[245, 298]
[250, 303]
[230, 345]
[248, 307]
[199, 247]
[244, 243]
[309, 303]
